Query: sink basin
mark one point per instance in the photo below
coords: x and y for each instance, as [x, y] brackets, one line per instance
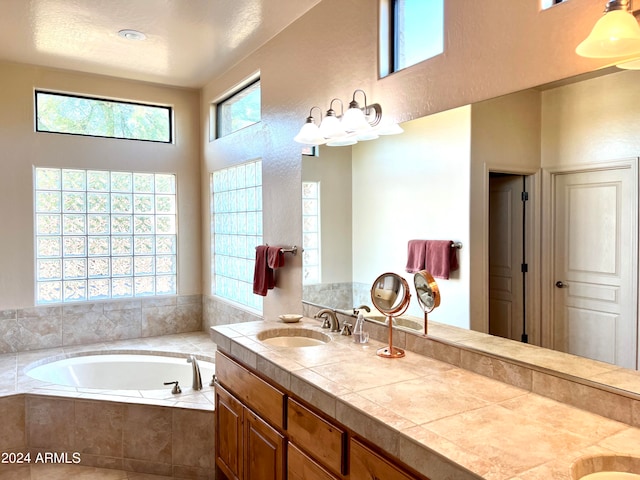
[606, 467]
[293, 337]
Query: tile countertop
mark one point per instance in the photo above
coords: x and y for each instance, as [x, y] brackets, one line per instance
[441, 420]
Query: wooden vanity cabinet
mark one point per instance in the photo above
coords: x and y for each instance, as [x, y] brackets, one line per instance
[369, 465]
[229, 436]
[249, 445]
[300, 466]
[253, 441]
[324, 441]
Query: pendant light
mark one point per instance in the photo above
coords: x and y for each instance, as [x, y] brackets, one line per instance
[615, 34]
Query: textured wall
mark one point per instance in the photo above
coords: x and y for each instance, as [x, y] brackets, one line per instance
[22, 149]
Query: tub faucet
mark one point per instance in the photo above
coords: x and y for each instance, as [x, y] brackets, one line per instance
[333, 318]
[197, 379]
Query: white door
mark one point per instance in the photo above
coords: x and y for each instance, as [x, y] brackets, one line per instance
[505, 256]
[595, 265]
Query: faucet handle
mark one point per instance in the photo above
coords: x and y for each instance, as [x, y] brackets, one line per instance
[325, 322]
[176, 388]
[346, 329]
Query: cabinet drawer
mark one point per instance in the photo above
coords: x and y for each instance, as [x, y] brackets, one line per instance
[254, 392]
[323, 440]
[302, 467]
[368, 465]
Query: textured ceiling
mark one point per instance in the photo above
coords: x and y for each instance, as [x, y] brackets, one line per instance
[188, 43]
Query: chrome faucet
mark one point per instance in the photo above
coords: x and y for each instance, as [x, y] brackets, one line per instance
[366, 308]
[333, 318]
[197, 379]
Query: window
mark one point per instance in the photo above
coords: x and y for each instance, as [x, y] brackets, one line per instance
[237, 230]
[411, 31]
[102, 235]
[551, 3]
[239, 110]
[96, 117]
[311, 232]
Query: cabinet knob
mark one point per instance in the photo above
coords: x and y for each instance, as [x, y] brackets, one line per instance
[561, 284]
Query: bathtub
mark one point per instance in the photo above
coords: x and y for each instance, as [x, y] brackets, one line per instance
[120, 371]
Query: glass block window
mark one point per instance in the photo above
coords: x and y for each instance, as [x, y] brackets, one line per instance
[411, 31]
[311, 232]
[98, 117]
[236, 231]
[241, 109]
[102, 235]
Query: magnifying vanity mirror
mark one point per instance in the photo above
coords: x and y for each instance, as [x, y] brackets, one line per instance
[390, 295]
[427, 293]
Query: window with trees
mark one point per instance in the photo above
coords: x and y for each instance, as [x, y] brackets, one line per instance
[98, 117]
[239, 110]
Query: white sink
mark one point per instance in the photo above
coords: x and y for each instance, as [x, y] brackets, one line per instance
[293, 337]
[606, 467]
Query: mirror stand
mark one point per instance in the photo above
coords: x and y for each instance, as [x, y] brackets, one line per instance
[390, 351]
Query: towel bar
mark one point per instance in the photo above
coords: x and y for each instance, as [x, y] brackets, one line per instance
[293, 249]
[456, 245]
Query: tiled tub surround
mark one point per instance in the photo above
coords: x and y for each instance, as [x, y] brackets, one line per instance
[148, 431]
[34, 328]
[440, 419]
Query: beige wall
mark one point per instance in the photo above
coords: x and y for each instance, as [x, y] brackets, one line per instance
[22, 149]
[491, 48]
[332, 168]
[415, 186]
[592, 121]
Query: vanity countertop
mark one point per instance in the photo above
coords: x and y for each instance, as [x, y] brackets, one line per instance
[442, 420]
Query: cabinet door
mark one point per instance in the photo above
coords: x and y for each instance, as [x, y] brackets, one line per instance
[229, 433]
[302, 467]
[263, 449]
[368, 465]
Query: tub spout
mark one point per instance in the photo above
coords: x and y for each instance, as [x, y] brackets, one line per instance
[197, 379]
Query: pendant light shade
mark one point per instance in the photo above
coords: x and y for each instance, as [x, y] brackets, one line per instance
[310, 134]
[615, 34]
[354, 119]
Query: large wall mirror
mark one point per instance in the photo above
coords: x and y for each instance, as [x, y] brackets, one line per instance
[373, 197]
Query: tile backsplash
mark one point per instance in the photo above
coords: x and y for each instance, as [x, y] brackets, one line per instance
[52, 326]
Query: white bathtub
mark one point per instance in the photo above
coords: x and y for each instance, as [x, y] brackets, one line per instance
[121, 371]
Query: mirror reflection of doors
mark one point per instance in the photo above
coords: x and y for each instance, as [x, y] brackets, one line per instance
[508, 208]
[595, 264]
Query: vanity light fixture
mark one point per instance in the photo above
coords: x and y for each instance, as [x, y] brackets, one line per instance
[356, 124]
[615, 34]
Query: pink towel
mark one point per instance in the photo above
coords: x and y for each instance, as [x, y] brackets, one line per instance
[416, 255]
[441, 258]
[263, 277]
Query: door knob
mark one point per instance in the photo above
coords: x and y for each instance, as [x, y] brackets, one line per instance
[560, 284]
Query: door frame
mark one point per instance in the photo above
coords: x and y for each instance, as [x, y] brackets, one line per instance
[532, 248]
[548, 234]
